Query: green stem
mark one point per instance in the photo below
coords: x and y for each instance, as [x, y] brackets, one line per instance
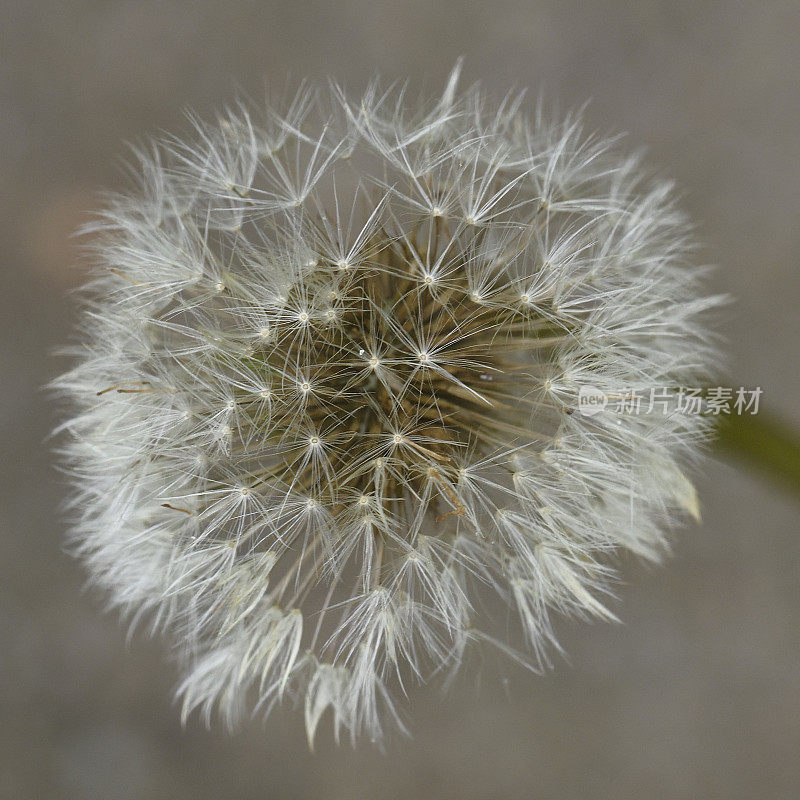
[764, 442]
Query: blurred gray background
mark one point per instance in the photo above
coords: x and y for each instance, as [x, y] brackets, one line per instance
[697, 694]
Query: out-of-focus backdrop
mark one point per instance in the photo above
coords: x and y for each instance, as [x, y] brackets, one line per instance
[697, 694]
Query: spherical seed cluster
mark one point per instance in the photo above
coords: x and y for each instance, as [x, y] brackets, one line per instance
[327, 392]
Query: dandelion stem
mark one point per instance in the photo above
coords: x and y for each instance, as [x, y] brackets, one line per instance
[765, 442]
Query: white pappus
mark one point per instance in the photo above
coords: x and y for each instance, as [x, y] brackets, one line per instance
[325, 392]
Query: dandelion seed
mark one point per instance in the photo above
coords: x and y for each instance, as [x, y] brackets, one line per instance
[325, 386]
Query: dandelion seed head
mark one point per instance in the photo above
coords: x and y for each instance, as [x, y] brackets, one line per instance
[345, 341]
